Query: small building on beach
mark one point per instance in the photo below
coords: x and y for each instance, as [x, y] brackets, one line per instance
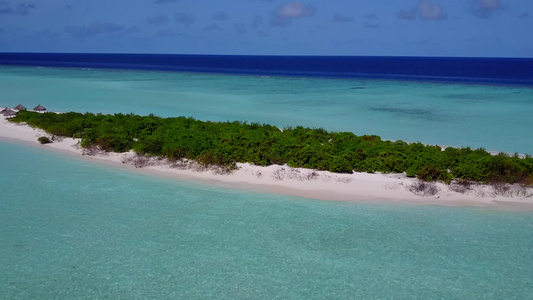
[20, 107]
[39, 108]
[8, 112]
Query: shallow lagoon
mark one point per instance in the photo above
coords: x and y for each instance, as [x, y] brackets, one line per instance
[497, 118]
[70, 229]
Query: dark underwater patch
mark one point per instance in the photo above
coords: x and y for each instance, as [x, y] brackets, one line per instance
[418, 113]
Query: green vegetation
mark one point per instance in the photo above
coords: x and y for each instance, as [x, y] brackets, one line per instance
[225, 143]
[44, 140]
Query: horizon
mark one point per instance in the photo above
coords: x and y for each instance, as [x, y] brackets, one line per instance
[506, 70]
[272, 55]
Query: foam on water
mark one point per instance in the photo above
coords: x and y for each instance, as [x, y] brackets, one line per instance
[70, 229]
[493, 117]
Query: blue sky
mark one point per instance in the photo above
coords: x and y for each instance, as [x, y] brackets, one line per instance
[497, 28]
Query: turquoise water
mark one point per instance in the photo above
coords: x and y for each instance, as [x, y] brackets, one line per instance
[496, 118]
[70, 229]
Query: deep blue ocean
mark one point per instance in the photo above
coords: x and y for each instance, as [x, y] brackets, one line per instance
[72, 229]
[450, 69]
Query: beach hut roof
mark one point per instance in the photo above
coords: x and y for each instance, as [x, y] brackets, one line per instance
[20, 107]
[39, 108]
[5, 110]
[9, 112]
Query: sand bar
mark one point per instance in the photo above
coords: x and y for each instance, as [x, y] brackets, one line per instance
[323, 185]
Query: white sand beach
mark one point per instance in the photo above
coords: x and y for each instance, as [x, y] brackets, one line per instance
[360, 187]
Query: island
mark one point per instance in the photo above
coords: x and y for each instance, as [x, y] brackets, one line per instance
[308, 162]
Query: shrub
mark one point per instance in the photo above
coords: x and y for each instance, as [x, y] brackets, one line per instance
[431, 173]
[371, 138]
[340, 165]
[461, 186]
[411, 171]
[44, 140]
[510, 190]
[92, 150]
[423, 188]
[501, 188]
[140, 161]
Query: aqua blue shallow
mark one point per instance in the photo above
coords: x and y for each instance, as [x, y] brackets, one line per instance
[74, 230]
[70, 229]
[497, 118]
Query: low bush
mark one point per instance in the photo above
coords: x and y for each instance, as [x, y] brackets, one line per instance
[431, 173]
[461, 186]
[140, 161]
[44, 140]
[423, 188]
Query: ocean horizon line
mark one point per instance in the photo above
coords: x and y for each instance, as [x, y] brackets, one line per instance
[490, 70]
[273, 55]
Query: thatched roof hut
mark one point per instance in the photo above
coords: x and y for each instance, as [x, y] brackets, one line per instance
[39, 108]
[9, 112]
[20, 107]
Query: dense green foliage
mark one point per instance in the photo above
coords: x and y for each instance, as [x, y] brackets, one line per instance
[224, 143]
[44, 140]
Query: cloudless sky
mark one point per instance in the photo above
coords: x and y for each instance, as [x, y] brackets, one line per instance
[497, 28]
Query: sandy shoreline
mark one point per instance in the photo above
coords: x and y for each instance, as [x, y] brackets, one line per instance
[360, 187]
